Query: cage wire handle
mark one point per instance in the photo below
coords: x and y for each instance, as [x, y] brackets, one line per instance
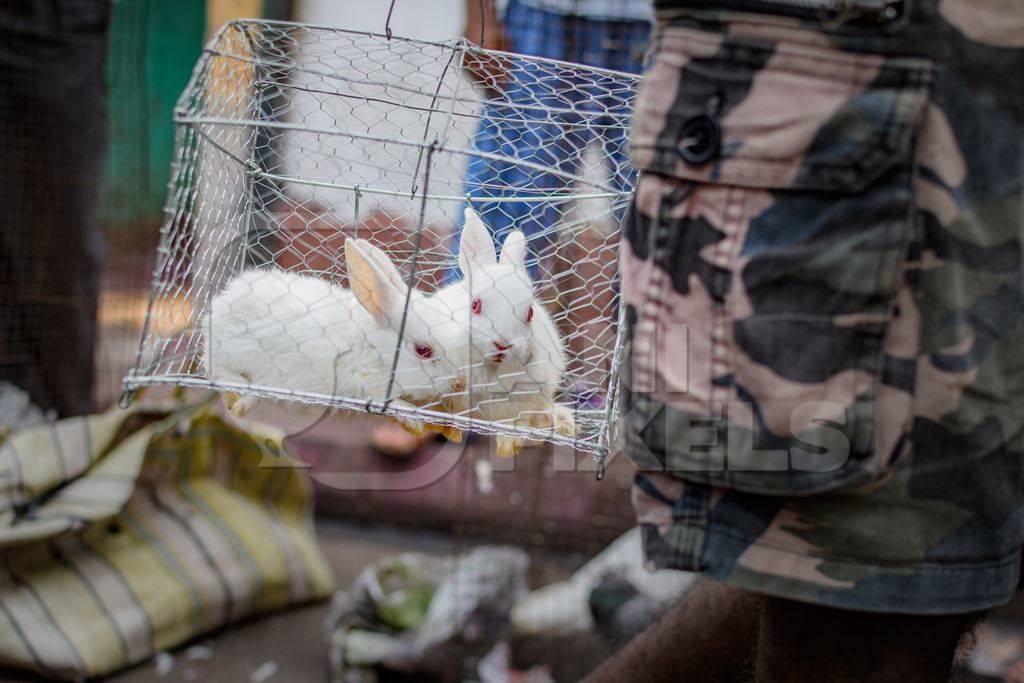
[387, 22]
[483, 23]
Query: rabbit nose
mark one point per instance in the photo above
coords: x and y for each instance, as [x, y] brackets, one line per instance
[501, 347]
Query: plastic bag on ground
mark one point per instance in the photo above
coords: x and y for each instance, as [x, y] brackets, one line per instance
[417, 612]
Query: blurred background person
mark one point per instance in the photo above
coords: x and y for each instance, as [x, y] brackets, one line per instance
[609, 34]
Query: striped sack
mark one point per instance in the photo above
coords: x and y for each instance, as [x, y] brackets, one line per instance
[129, 532]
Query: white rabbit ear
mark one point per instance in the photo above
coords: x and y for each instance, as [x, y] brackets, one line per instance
[384, 263]
[513, 251]
[476, 248]
[371, 284]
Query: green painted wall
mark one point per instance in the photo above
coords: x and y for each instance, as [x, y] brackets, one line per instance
[153, 46]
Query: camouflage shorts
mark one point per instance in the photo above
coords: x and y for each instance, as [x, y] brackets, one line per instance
[824, 386]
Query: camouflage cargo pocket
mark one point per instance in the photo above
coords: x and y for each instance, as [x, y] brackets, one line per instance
[762, 262]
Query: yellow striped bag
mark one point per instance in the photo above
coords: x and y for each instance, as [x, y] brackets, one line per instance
[128, 532]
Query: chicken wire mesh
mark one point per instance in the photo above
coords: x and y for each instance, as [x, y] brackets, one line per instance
[421, 229]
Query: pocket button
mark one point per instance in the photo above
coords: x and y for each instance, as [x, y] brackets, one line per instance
[699, 140]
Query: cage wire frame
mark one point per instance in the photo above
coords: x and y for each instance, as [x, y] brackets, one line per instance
[170, 347]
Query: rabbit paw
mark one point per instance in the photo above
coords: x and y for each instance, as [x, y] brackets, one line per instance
[508, 446]
[239, 405]
[414, 427]
[564, 422]
[558, 418]
[453, 434]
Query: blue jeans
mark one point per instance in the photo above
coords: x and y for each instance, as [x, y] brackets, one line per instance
[534, 127]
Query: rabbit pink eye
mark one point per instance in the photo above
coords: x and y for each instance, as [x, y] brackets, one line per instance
[424, 351]
[529, 314]
[477, 306]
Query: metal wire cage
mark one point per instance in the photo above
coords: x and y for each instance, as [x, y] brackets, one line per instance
[295, 141]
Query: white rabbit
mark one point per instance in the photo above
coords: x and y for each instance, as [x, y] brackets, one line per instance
[278, 329]
[518, 356]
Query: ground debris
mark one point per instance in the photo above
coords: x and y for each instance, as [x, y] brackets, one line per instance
[163, 662]
[263, 672]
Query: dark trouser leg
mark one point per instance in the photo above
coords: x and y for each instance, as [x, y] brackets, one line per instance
[801, 642]
[710, 635]
[51, 147]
